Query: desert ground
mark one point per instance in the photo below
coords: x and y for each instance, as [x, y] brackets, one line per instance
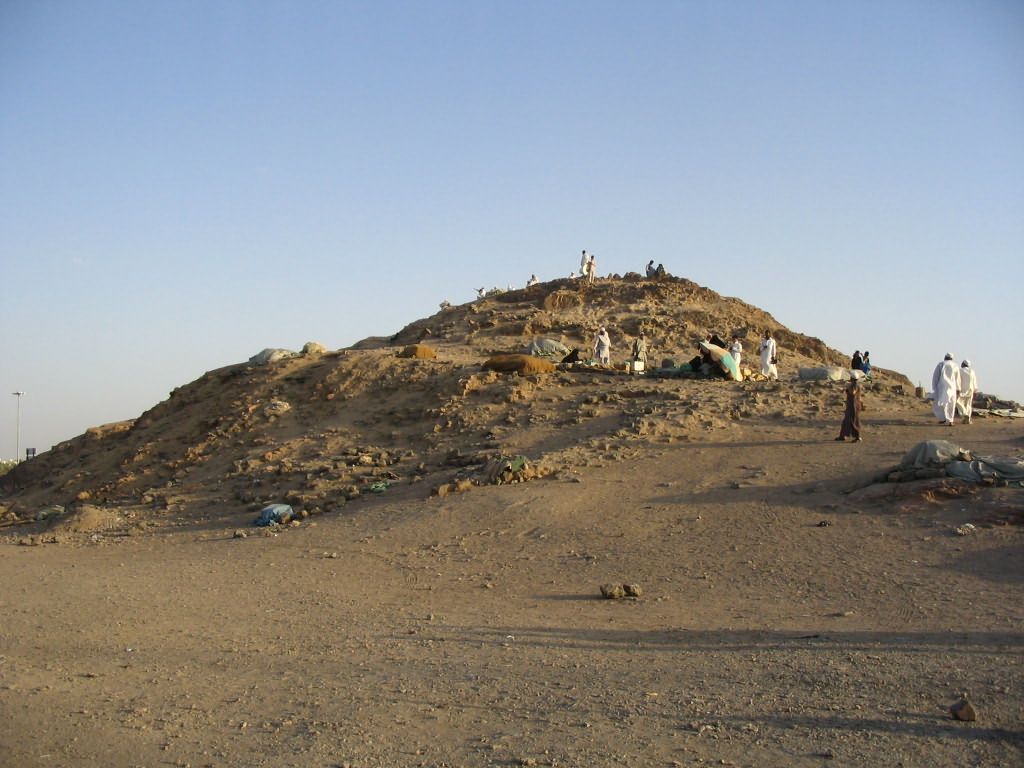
[792, 610]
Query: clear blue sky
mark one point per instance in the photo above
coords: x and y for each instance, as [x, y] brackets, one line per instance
[185, 183]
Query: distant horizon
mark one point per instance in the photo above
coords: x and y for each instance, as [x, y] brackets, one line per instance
[925, 408]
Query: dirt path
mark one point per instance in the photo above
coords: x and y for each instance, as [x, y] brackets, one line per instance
[781, 624]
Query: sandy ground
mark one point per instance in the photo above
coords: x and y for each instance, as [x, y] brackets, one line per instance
[782, 621]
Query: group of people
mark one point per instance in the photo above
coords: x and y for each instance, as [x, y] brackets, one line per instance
[861, 362]
[603, 348]
[953, 390]
[588, 266]
[768, 349]
[654, 272]
[854, 397]
[588, 271]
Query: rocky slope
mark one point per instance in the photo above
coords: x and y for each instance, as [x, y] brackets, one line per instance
[321, 430]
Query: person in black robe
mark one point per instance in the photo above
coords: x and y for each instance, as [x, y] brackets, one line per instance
[851, 417]
[572, 357]
[856, 362]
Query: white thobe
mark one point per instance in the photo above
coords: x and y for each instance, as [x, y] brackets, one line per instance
[945, 384]
[968, 386]
[603, 348]
[736, 350]
[768, 351]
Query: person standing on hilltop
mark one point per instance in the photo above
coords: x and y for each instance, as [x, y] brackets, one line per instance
[603, 347]
[592, 269]
[856, 361]
[945, 386]
[584, 261]
[532, 281]
[736, 350]
[851, 417]
[865, 363]
[968, 386]
[769, 356]
[651, 271]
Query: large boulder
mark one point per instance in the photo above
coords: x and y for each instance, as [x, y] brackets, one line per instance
[547, 348]
[418, 351]
[518, 364]
[270, 355]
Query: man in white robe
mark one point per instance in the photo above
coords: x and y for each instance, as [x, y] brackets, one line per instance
[603, 347]
[736, 350]
[769, 352]
[584, 260]
[968, 386]
[945, 386]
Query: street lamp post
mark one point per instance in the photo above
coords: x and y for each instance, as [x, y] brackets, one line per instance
[17, 455]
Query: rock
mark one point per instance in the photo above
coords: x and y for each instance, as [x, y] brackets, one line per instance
[632, 590]
[270, 355]
[313, 349]
[418, 351]
[963, 710]
[613, 591]
[523, 364]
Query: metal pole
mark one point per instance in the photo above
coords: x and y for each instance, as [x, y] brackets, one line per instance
[17, 454]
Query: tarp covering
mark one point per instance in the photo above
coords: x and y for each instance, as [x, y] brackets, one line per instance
[933, 453]
[724, 360]
[1008, 468]
[547, 348]
[274, 513]
[828, 373]
[960, 463]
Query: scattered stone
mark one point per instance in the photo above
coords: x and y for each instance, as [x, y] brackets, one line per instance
[46, 513]
[966, 529]
[613, 591]
[963, 710]
[240, 534]
[619, 591]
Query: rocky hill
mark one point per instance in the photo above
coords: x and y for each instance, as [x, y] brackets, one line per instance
[322, 430]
